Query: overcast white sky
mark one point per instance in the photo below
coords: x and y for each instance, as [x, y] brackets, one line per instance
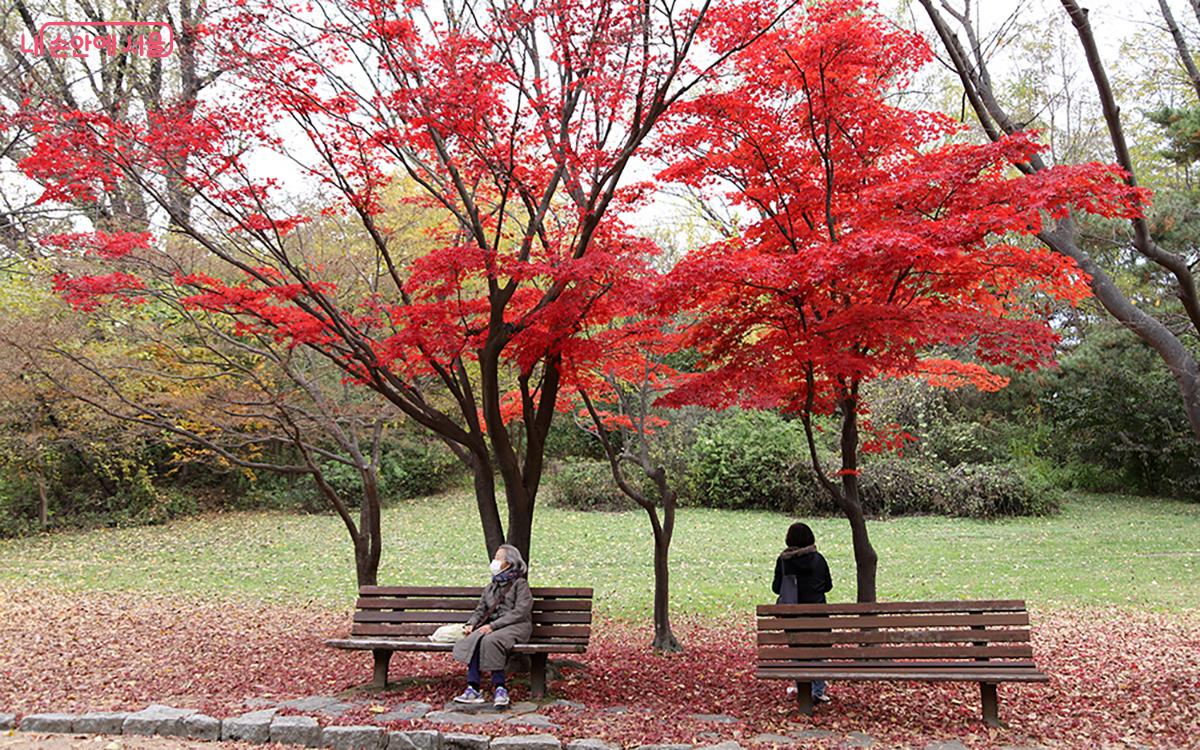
[1113, 20]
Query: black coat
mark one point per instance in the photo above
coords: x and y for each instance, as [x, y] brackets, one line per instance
[812, 577]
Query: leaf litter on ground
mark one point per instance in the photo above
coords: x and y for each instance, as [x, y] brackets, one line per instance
[1120, 677]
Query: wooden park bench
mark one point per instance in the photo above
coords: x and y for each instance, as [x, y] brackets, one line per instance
[400, 618]
[969, 641]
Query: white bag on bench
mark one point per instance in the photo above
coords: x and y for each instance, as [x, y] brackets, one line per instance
[452, 633]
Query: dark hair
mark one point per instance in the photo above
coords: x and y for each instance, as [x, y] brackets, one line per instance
[799, 535]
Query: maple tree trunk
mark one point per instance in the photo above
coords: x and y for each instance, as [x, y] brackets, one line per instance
[368, 543]
[43, 503]
[366, 561]
[485, 501]
[522, 493]
[517, 497]
[664, 638]
[520, 519]
[865, 558]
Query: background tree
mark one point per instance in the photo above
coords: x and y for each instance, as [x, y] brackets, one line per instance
[176, 370]
[168, 373]
[619, 403]
[876, 245]
[120, 84]
[1173, 268]
[60, 458]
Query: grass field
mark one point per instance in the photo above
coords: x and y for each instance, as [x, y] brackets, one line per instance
[1100, 550]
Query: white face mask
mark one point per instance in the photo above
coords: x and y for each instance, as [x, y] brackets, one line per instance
[496, 567]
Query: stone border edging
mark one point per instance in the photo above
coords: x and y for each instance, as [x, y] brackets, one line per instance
[260, 727]
[263, 726]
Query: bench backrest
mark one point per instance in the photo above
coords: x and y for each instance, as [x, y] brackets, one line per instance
[881, 633]
[560, 615]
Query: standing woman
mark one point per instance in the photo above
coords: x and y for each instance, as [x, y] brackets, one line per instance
[503, 618]
[802, 577]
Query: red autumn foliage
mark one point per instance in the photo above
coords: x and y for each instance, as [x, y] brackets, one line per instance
[514, 124]
[101, 244]
[87, 293]
[873, 235]
[1119, 677]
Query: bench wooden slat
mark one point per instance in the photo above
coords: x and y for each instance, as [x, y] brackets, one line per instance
[466, 603]
[966, 675]
[942, 664]
[441, 592]
[387, 644]
[545, 631]
[896, 675]
[392, 630]
[543, 592]
[399, 617]
[891, 621]
[546, 618]
[539, 631]
[1024, 651]
[998, 605]
[542, 632]
[800, 638]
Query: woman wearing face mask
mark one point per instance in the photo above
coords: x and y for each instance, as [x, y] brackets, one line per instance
[503, 618]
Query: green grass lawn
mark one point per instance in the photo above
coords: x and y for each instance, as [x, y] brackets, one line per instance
[1100, 550]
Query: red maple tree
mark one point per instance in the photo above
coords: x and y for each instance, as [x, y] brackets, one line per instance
[516, 122]
[878, 243]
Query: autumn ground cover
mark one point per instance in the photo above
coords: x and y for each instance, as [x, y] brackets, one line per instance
[1120, 677]
[211, 612]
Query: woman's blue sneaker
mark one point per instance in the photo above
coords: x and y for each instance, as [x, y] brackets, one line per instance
[501, 700]
[470, 695]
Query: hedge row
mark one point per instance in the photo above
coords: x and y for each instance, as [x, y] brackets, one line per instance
[757, 460]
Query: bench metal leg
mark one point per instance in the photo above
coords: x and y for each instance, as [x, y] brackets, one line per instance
[991, 704]
[804, 695]
[383, 657]
[537, 675]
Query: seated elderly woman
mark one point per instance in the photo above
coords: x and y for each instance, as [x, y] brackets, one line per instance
[503, 618]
